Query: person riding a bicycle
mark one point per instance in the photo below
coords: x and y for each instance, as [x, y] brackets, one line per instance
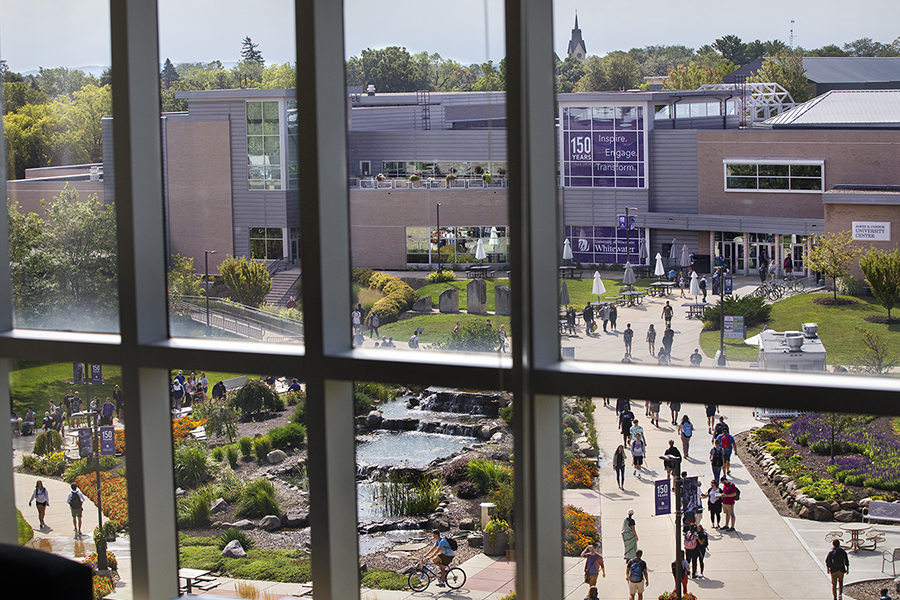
[440, 554]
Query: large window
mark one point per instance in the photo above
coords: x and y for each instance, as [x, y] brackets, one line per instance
[457, 245]
[263, 145]
[787, 176]
[266, 243]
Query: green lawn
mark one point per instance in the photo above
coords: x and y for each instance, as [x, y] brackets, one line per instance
[436, 327]
[579, 290]
[837, 328]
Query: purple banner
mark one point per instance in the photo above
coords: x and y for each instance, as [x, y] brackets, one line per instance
[690, 494]
[729, 286]
[108, 441]
[97, 374]
[603, 146]
[85, 442]
[595, 245]
[663, 496]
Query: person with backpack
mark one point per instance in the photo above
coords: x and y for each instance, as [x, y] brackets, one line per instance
[683, 580]
[711, 416]
[76, 501]
[618, 463]
[691, 552]
[667, 313]
[442, 552]
[838, 564]
[702, 544]
[714, 502]
[726, 441]
[730, 494]
[686, 430]
[587, 316]
[636, 576]
[625, 420]
[716, 460]
[593, 565]
[638, 450]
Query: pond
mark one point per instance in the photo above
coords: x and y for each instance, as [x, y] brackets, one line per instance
[406, 449]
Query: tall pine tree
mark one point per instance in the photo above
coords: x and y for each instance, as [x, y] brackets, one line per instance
[250, 53]
[169, 75]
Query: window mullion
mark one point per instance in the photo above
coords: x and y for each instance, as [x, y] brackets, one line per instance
[8, 524]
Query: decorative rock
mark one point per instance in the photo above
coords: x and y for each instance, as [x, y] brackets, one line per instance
[805, 513]
[242, 524]
[448, 302]
[270, 523]
[234, 550]
[501, 300]
[475, 541]
[821, 513]
[467, 524]
[422, 304]
[276, 456]
[439, 523]
[848, 516]
[374, 419]
[849, 505]
[897, 584]
[295, 519]
[833, 506]
[218, 505]
[585, 448]
[476, 297]
[219, 525]
[864, 502]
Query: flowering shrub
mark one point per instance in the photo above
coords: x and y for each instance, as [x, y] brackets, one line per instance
[580, 530]
[181, 428]
[827, 489]
[579, 474]
[103, 586]
[114, 490]
[120, 441]
[111, 561]
[673, 596]
[51, 465]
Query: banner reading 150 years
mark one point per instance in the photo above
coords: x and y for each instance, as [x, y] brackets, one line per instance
[603, 146]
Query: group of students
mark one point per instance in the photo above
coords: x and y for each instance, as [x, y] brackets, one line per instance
[75, 499]
[188, 390]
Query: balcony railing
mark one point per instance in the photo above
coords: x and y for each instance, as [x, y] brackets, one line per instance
[402, 183]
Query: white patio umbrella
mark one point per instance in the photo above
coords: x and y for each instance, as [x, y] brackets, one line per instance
[494, 240]
[659, 270]
[673, 250]
[564, 294]
[598, 287]
[685, 259]
[479, 250]
[567, 250]
[695, 285]
[628, 278]
[752, 340]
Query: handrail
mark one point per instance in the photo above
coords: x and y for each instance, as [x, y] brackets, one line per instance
[281, 264]
[252, 316]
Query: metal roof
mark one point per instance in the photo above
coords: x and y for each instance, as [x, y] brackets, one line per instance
[844, 109]
[847, 69]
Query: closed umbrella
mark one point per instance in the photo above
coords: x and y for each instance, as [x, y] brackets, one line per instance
[685, 258]
[564, 294]
[598, 287]
[567, 250]
[695, 285]
[642, 253]
[479, 250]
[494, 240]
[673, 250]
[629, 278]
[660, 270]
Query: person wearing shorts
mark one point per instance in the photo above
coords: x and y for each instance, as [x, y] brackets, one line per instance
[441, 554]
[637, 587]
[729, 491]
[77, 508]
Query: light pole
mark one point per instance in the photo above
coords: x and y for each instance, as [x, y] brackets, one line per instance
[721, 271]
[674, 463]
[628, 234]
[439, 237]
[206, 254]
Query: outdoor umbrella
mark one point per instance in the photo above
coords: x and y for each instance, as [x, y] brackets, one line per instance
[695, 286]
[479, 250]
[660, 270]
[564, 294]
[567, 250]
[752, 340]
[628, 278]
[685, 258]
[598, 287]
[642, 253]
[673, 250]
[494, 240]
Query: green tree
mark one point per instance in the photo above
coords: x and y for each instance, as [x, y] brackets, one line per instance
[78, 137]
[882, 271]
[17, 94]
[832, 255]
[249, 52]
[32, 283]
[492, 78]
[168, 75]
[28, 132]
[474, 336]
[615, 71]
[773, 47]
[279, 77]
[248, 280]
[785, 69]
[692, 75]
[876, 357]
[60, 81]
[181, 278]
[868, 47]
[568, 73]
[656, 61]
[829, 50]
[733, 49]
[391, 69]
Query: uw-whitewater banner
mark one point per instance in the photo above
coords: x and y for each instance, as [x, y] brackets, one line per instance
[595, 245]
[663, 496]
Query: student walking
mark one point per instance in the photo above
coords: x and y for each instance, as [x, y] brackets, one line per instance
[638, 450]
[651, 340]
[711, 415]
[76, 501]
[593, 565]
[41, 496]
[726, 441]
[667, 313]
[668, 340]
[628, 336]
[618, 463]
[702, 544]
[629, 536]
[686, 430]
[613, 315]
[674, 409]
[729, 496]
[716, 460]
[636, 576]
[838, 564]
[714, 503]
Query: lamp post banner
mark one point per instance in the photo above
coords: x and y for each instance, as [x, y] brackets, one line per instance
[97, 374]
[663, 496]
[690, 495]
[108, 441]
[85, 442]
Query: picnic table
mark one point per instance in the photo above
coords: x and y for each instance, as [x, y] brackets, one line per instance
[192, 576]
[569, 272]
[660, 288]
[856, 540]
[695, 309]
[633, 297]
[480, 272]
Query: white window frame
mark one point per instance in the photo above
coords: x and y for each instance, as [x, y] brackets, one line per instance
[534, 372]
[726, 162]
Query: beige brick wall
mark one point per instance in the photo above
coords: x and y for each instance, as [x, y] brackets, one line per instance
[851, 157]
[29, 192]
[378, 219]
[840, 217]
[199, 166]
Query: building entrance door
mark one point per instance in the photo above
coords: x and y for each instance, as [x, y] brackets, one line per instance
[797, 253]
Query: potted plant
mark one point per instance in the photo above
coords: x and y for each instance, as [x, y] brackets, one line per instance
[494, 541]
[451, 177]
[415, 178]
[486, 178]
[380, 177]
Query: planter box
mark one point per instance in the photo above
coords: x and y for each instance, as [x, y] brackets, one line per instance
[499, 546]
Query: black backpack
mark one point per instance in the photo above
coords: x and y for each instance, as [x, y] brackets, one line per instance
[75, 501]
[452, 542]
[717, 460]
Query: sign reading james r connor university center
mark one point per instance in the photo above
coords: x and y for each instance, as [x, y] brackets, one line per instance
[603, 146]
[872, 231]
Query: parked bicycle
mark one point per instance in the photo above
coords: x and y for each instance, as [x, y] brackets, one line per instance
[420, 579]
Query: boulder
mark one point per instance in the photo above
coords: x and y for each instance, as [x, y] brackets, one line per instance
[805, 513]
[439, 522]
[833, 506]
[276, 456]
[295, 519]
[583, 446]
[848, 516]
[374, 419]
[475, 541]
[864, 502]
[219, 525]
[897, 584]
[849, 505]
[422, 305]
[242, 524]
[217, 505]
[448, 301]
[476, 297]
[501, 300]
[821, 513]
[270, 523]
[234, 550]
[468, 524]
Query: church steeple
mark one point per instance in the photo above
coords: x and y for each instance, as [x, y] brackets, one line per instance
[576, 44]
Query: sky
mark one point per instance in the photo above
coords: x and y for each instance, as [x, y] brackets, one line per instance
[75, 33]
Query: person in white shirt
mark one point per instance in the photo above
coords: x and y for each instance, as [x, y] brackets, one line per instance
[76, 501]
[41, 496]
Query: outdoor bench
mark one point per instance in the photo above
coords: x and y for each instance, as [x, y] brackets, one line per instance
[881, 511]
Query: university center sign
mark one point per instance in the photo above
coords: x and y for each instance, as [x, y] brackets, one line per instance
[603, 146]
